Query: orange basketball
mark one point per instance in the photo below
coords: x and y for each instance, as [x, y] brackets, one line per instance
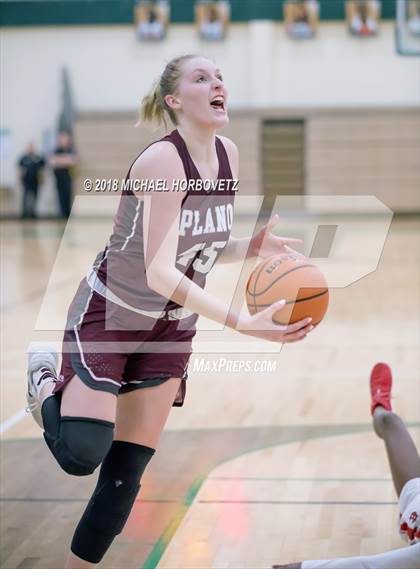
[298, 281]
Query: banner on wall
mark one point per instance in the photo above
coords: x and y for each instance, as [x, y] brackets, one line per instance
[151, 19]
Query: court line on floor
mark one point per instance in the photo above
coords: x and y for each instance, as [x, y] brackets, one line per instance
[301, 502]
[83, 500]
[298, 479]
[13, 420]
[35, 295]
[160, 546]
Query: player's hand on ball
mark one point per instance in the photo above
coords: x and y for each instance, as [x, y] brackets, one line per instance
[261, 325]
[265, 244]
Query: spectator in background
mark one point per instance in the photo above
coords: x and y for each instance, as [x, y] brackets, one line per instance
[301, 17]
[362, 17]
[62, 161]
[414, 17]
[31, 166]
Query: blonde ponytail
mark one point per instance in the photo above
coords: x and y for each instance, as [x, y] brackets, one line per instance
[153, 106]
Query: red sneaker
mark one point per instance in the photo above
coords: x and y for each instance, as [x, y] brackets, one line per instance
[380, 387]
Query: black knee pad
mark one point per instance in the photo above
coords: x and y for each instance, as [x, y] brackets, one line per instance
[112, 501]
[81, 445]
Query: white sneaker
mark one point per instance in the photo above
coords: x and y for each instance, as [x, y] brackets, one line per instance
[42, 365]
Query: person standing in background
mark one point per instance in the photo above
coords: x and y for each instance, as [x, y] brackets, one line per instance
[62, 160]
[31, 165]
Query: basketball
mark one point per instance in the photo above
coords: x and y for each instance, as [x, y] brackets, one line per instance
[298, 281]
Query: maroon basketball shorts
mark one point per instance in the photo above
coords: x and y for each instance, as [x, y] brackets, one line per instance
[112, 349]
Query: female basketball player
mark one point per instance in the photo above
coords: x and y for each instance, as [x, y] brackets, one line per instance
[404, 463]
[131, 323]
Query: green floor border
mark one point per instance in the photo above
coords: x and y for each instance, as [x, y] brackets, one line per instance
[162, 543]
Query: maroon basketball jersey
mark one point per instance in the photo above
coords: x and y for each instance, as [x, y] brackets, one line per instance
[204, 229]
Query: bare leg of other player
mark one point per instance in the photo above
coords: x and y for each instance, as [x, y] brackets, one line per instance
[404, 460]
[141, 416]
